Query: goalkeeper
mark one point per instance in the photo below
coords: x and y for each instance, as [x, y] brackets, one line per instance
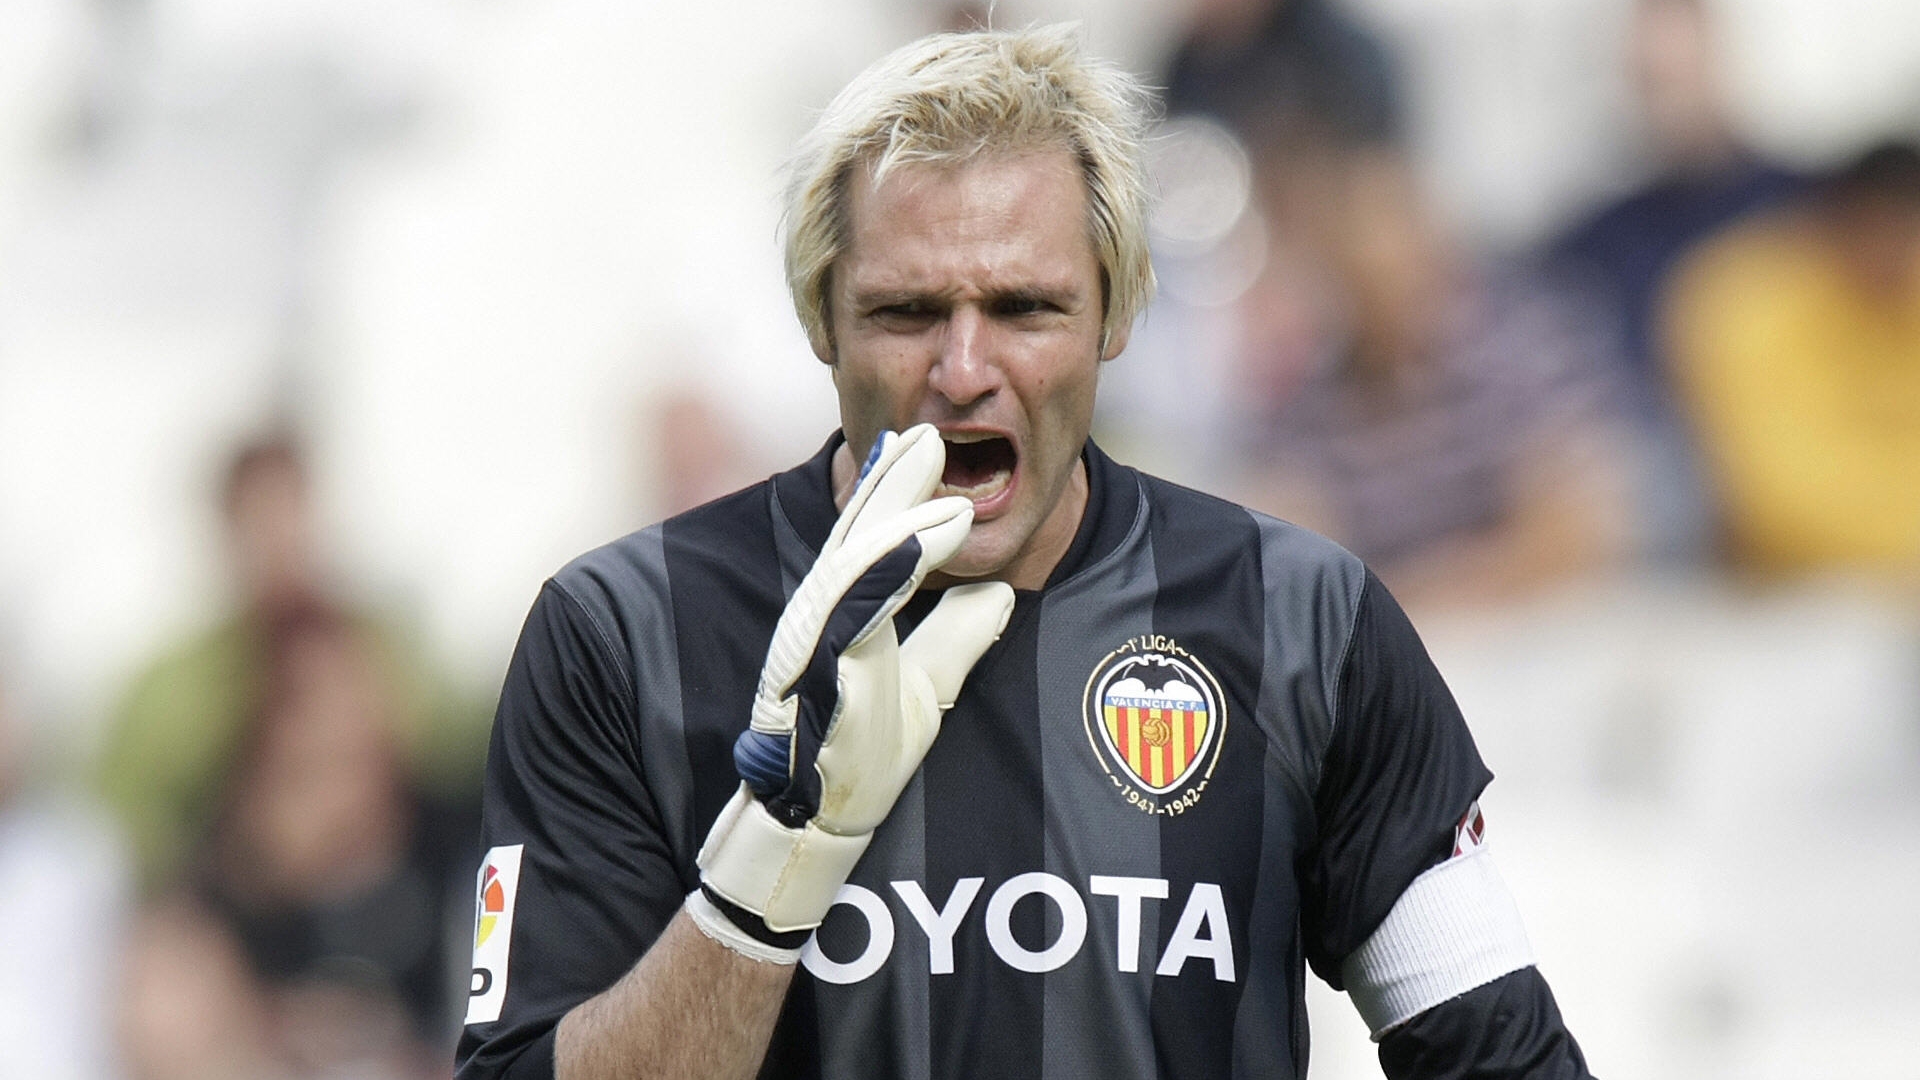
[961, 749]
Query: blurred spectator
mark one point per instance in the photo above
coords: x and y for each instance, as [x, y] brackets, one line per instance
[190, 1008]
[1704, 177]
[330, 887]
[699, 449]
[1281, 71]
[176, 727]
[1797, 339]
[61, 904]
[1452, 425]
[1265, 101]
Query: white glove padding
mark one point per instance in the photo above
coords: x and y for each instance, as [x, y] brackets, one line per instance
[844, 711]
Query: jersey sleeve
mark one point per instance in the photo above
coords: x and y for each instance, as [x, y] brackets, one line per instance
[1399, 772]
[568, 816]
[1510, 1027]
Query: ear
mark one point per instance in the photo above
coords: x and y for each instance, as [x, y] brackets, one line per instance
[822, 338]
[1112, 344]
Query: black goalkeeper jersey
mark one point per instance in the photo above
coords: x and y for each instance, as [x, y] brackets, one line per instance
[1209, 752]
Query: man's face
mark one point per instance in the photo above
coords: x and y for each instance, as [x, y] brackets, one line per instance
[969, 298]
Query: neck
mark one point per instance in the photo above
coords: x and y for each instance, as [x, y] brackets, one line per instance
[846, 473]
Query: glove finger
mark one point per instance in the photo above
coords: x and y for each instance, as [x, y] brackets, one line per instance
[919, 539]
[939, 525]
[901, 470]
[951, 639]
[858, 623]
[861, 616]
[899, 551]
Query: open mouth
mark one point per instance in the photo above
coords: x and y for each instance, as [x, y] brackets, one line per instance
[978, 467]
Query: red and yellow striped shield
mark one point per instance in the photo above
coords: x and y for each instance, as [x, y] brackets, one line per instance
[1156, 739]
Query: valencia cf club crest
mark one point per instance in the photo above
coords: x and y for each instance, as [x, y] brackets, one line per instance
[1156, 719]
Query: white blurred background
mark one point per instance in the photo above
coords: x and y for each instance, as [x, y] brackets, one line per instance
[504, 276]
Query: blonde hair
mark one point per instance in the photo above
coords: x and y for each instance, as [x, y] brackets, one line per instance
[948, 98]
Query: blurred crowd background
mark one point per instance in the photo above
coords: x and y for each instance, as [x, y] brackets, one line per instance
[328, 329]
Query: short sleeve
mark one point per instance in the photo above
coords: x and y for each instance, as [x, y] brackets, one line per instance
[1400, 771]
[594, 880]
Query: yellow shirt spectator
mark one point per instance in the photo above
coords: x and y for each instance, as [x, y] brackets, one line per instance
[1797, 343]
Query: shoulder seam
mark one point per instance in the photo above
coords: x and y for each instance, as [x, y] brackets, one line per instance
[1346, 657]
[606, 640]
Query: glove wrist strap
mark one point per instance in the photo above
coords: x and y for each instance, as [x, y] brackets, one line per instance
[788, 877]
[753, 925]
[711, 915]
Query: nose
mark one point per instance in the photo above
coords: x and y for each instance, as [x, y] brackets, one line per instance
[965, 371]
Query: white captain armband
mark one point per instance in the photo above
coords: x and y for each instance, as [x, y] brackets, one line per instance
[1454, 929]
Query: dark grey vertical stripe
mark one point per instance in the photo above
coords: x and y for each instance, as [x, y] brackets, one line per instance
[646, 616]
[894, 1002]
[795, 554]
[1312, 601]
[1272, 1012]
[1081, 622]
[1313, 596]
[906, 860]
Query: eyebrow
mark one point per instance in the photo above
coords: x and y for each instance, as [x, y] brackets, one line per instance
[871, 299]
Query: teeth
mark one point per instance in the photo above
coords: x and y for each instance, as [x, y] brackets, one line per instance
[985, 489]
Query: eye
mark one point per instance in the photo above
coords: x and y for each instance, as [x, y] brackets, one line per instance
[1020, 305]
[904, 314]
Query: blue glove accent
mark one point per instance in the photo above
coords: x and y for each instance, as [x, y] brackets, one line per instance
[873, 455]
[761, 758]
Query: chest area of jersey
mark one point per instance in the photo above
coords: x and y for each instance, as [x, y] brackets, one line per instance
[1096, 809]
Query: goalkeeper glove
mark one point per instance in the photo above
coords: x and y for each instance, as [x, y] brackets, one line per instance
[844, 711]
